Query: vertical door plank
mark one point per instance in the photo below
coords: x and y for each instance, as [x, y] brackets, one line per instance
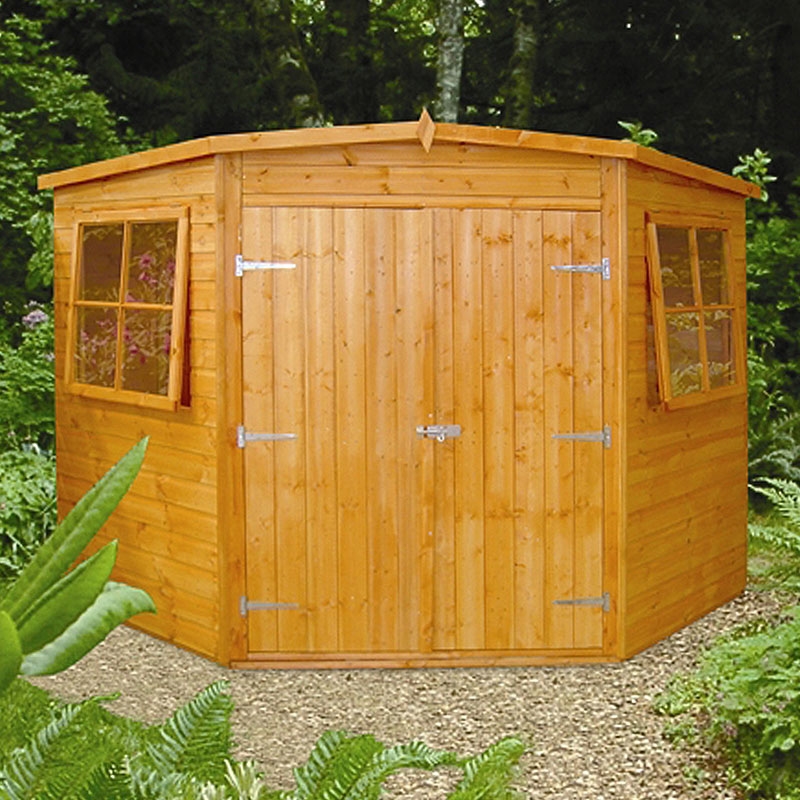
[414, 326]
[290, 400]
[469, 467]
[444, 571]
[529, 575]
[498, 426]
[320, 442]
[381, 429]
[589, 456]
[559, 418]
[259, 415]
[353, 537]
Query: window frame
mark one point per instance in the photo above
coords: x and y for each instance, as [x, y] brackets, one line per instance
[179, 306]
[706, 393]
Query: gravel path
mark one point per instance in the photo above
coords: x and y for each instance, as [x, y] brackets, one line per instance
[592, 733]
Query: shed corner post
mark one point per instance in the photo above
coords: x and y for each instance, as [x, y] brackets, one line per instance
[615, 248]
[231, 546]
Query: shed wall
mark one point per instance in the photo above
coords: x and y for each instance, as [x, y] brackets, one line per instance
[686, 469]
[167, 524]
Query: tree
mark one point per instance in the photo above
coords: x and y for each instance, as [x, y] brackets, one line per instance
[450, 59]
[49, 119]
[520, 105]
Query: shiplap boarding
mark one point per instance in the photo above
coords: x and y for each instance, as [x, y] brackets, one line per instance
[427, 423]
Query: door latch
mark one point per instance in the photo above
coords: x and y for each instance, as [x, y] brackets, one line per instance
[438, 432]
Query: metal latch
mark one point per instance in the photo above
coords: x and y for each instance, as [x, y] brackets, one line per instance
[603, 436]
[604, 268]
[604, 602]
[438, 432]
[246, 605]
[243, 436]
[243, 265]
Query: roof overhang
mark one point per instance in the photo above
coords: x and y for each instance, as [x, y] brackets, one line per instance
[424, 131]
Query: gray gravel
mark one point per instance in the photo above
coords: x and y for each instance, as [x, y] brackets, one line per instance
[592, 733]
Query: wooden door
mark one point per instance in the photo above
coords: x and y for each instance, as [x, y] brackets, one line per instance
[364, 537]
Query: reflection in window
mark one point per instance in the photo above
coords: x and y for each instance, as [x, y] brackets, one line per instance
[124, 306]
[694, 313]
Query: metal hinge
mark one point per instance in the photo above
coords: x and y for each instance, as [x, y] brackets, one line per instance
[604, 602]
[243, 266]
[603, 436]
[604, 268]
[243, 436]
[246, 605]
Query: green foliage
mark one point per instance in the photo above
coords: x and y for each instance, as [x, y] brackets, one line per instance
[49, 119]
[50, 618]
[638, 134]
[82, 752]
[755, 168]
[27, 383]
[27, 506]
[742, 704]
[343, 767]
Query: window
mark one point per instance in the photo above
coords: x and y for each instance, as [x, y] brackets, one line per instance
[699, 346]
[128, 307]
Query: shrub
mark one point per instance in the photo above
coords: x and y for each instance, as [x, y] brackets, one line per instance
[27, 506]
[80, 751]
[743, 705]
[27, 414]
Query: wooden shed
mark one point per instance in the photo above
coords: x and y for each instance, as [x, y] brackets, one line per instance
[417, 394]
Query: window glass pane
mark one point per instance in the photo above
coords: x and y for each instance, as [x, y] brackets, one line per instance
[683, 341]
[145, 351]
[676, 267]
[713, 274]
[96, 346]
[151, 267]
[101, 251]
[719, 339]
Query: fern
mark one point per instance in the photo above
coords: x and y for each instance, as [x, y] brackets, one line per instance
[415, 755]
[487, 776]
[354, 768]
[785, 497]
[196, 739]
[22, 778]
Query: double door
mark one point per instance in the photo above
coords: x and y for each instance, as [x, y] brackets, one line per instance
[411, 378]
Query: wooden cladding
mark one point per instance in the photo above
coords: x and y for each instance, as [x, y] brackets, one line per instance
[384, 541]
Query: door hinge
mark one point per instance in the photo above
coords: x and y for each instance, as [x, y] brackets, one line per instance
[603, 436]
[604, 268]
[246, 605]
[243, 266]
[604, 602]
[243, 436]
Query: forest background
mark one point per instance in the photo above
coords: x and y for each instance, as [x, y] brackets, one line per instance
[82, 80]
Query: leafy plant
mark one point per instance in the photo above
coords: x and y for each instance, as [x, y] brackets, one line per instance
[49, 619]
[638, 134]
[743, 705]
[188, 758]
[755, 168]
[27, 506]
[27, 383]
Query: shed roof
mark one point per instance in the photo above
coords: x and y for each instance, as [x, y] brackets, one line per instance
[427, 132]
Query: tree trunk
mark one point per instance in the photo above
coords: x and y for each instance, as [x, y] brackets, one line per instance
[450, 59]
[295, 91]
[521, 87]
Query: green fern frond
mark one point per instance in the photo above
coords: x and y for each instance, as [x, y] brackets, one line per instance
[20, 779]
[107, 781]
[196, 739]
[335, 763]
[487, 775]
[415, 755]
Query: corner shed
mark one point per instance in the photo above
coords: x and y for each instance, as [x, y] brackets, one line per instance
[416, 393]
